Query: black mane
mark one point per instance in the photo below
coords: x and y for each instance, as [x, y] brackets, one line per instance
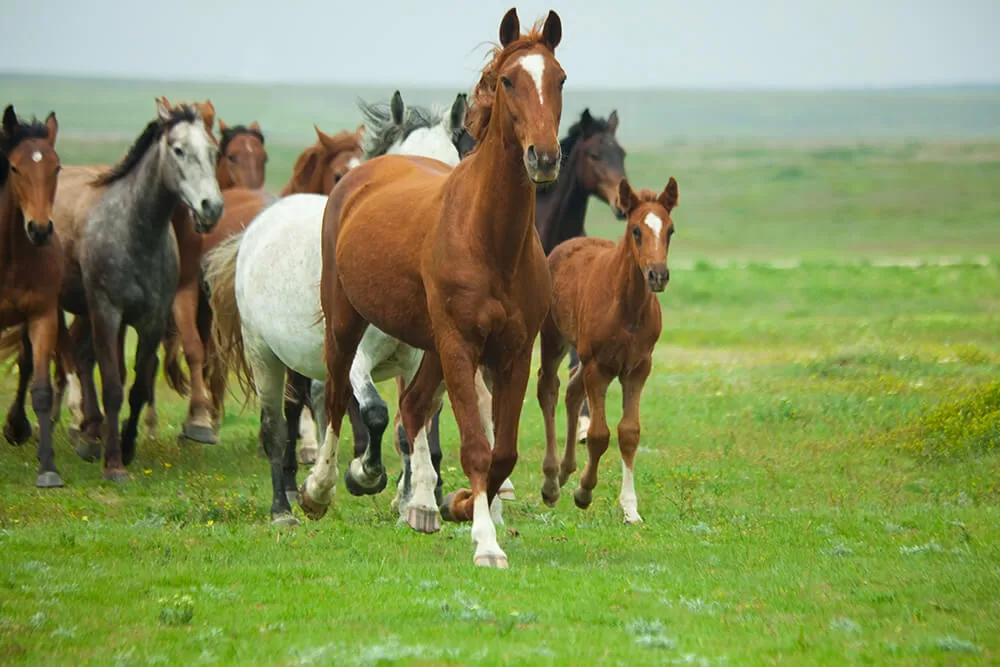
[34, 129]
[183, 113]
[233, 131]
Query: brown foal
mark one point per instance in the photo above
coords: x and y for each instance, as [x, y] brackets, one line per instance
[604, 305]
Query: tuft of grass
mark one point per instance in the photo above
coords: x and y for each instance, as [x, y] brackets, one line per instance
[970, 424]
[176, 610]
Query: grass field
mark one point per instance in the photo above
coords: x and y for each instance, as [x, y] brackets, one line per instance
[819, 471]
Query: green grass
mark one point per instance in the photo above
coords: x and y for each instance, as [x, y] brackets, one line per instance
[788, 517]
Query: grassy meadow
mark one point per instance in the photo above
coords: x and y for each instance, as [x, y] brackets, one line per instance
[819, 470]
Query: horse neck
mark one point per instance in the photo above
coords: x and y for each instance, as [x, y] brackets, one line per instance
[505, 214]
[629, 285]
[561, 210]
[148, 201]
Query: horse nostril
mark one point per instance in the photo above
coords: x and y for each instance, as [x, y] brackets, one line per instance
[652, 276]
[666, 276]
[532, 155]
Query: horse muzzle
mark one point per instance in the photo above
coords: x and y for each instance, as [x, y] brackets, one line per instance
[657, 276]
[38, 234]
[542, 165]
[208, 214]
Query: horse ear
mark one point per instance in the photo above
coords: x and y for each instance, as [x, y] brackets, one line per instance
[397, 108]
[613, 122]
[626, 197]
[222, 125]
[668, 198]
[552, 32]
[255, 127]
[10, 123]
[586, 120]
[52, 125]
[510, 27]
[162, 110]
[326, 141]
[456, 119]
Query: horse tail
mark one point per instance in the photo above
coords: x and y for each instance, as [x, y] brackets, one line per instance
[172, 371]
[229, 353]
[10, 343]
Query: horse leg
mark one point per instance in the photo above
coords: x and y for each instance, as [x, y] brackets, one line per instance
[434, 442]
[628, 437]
[584, 424]
[420, 400]
[598, 435]
[269, 377]
[146, 363]
[105, 323]
[307, 433]
[484, 398]
[553, 351]
[296, 390]
[17, 429]
[63, 367]
[198, 425]
[366, 474]
[575, 394]
[402, 445]
[43, 334]
[316, 390]
[81, 348]
[88, 435]
[344, 329]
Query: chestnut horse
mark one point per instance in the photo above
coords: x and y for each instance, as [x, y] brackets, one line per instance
[604, 304]
[448, 261]
[31, 273]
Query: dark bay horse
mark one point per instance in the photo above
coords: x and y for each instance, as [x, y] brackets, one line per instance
[448, 261]
[31, 274]
[604, 304]
[123, 266]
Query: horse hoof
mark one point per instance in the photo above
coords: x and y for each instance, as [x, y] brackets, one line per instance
[351, 480]
[423, 519]
[200, 433]
[19, 432]
[632, 518]
[308, 455]
[582, 497]
[498, 562]
[87, 449]
[284, 520]
[445, 507]
[292, 497]
[49, 480]
[313, 510]
[550, 497]
[117, 475]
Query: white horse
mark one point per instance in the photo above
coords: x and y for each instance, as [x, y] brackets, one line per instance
[266, 301]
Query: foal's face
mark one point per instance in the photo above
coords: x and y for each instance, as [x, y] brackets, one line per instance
[601, 166]
[245, 159]
[649, 230]
[189, 162]
[33, 170]
[530, 88]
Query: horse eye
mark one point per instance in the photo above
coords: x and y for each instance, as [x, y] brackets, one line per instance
[13, 169]
[562, 82]
[178, 151]
[637, 235]
[231, 158]
[670, 232]
[506, 83]
[58, 168]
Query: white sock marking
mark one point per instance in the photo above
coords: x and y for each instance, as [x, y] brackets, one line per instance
[484, 533]
[627, 498]
[322, 481]
[534, 65]
[424, 478]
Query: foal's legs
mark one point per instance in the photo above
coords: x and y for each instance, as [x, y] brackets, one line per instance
[575, 394]
[598, 436]
[628, 437]
[43, 334]
[17, 430]
[146, 363]
[581, 431]
[198, 425]
[553, 351]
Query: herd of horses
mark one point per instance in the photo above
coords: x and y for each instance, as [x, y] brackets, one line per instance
[429, 246]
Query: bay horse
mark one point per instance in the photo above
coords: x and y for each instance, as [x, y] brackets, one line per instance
[265, 299]
[31, 273]
[604, 303]
[448, 261]
[123, 265]
[242, 157]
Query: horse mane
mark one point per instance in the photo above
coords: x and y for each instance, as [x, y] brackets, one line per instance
[35, 129]
[646, 195]
[182, 113]
[579, 131]
[381, 133]
[233, 131]
[477, 120]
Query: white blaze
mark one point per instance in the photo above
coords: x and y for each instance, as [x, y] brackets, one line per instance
[654, 222]
[534, 65]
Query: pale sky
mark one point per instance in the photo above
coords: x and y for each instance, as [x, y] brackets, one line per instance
[606, 43]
